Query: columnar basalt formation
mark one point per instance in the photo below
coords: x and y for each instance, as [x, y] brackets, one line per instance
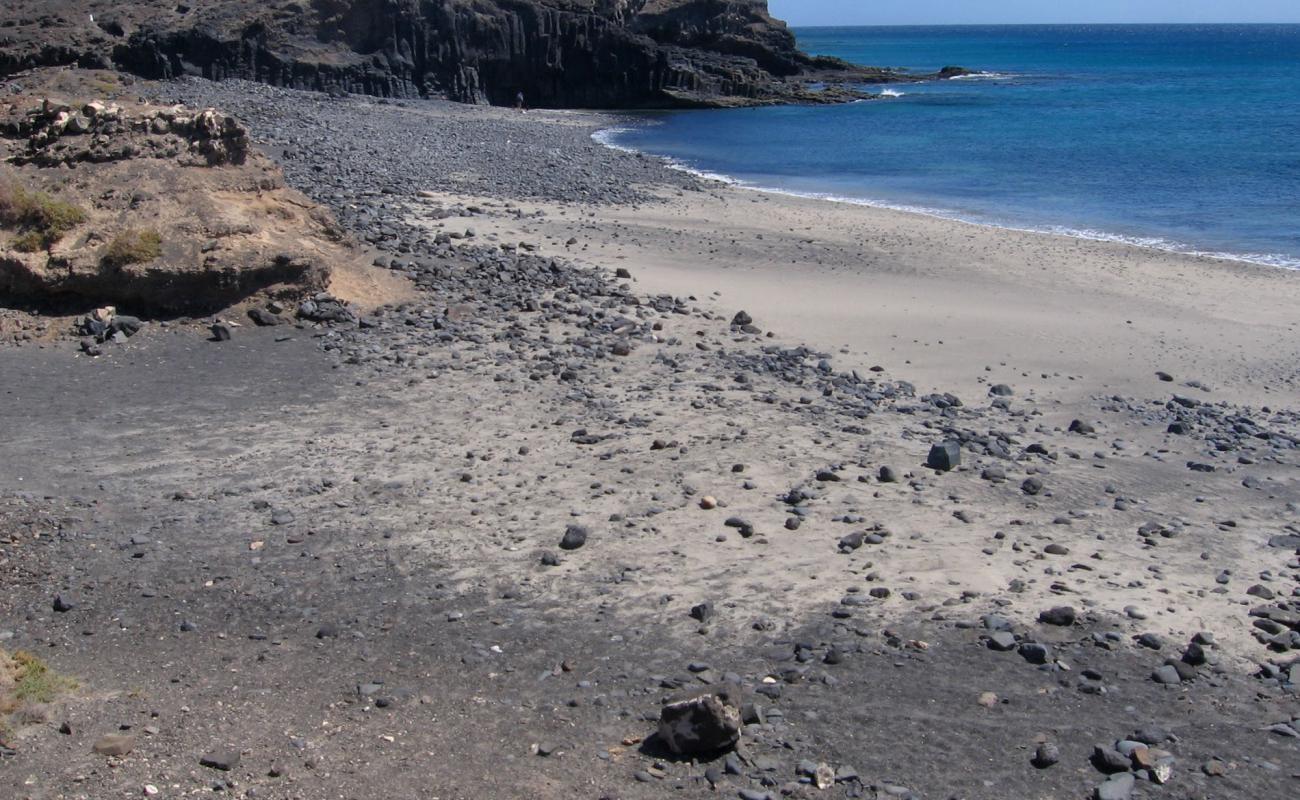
[558, 53]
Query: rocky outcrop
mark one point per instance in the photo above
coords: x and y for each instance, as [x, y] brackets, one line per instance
[559, 53]
[159, 210]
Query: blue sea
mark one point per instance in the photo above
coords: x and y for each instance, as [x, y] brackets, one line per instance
[1181, 137]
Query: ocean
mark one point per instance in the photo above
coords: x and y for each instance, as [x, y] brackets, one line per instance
[1180, 137]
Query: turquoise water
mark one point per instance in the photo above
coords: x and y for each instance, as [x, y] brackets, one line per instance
[1179, 137]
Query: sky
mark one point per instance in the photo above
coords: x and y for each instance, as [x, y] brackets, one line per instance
[1002, 12]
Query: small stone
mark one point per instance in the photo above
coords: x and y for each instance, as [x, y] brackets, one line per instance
[702, 612]
[223, 760]
[1002, 641]
[1166, 675]
[221, 332]
[944, 456]
[575, 536]
[1108, 760]
[1117, 787]
[1046, 755]
[1062, 616]
[708, 502]
[1034, 653]
[705, 724]
[114, 744]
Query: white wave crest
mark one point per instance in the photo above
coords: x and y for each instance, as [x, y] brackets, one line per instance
[983, 76]
[891, 93]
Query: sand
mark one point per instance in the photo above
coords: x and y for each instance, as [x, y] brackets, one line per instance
[937, 301]
[430, 461]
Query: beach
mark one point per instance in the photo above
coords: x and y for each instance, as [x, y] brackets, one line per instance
[955, 511]
[951, 304]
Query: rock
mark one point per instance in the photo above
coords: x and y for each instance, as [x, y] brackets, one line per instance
[1002, 641]
[887, 475]
[575, 536]
[742, 319]
[1062, 616]
[1194, 654]
[1055, 549]
[114, 744]
[701, 725]
[944, 456]
[1035, 653]
[1117, 787]
[1167, 675]
[221, 332]
[1151, 641]
[224, 760]
[702, 612]
[994, 474]
[742, 526]
[62, 605]
[1082, 428]
[1109, 760]
[264, 318]
[708, 502]
[1000, 390]
[1032, 486]
[1046, 755]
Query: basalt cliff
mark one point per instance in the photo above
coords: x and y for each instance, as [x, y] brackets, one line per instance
[558, 53]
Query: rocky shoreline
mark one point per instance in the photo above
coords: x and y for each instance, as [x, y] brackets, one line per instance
[557, 53]
[473, 543]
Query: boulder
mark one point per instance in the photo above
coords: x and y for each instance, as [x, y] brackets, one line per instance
[944, 456]
[702, 725]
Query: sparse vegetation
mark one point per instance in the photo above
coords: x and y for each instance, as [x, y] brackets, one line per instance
[29, 242]
[41, 219]
[37, 683]
[133, 247]
[26, 683]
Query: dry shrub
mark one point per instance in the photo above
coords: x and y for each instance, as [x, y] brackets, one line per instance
[133, 247]
[40, 219]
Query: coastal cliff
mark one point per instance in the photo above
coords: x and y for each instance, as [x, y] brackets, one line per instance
[559, 53]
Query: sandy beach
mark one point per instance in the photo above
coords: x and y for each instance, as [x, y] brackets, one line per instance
[950, 304]
[927, 497]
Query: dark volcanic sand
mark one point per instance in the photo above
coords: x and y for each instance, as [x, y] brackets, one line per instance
[325, 554]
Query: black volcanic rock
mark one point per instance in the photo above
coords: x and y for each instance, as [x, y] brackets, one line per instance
[559, 53]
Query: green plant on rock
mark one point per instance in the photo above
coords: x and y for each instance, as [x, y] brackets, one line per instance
[133, 247]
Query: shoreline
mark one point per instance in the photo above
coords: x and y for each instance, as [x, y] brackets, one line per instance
[504, 519]
[605, 137]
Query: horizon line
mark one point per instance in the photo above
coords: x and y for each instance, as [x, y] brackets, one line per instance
[1020, 24]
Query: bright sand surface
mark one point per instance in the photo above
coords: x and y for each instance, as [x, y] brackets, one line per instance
[945, 304]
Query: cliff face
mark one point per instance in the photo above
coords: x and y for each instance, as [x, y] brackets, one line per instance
[560, 53]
